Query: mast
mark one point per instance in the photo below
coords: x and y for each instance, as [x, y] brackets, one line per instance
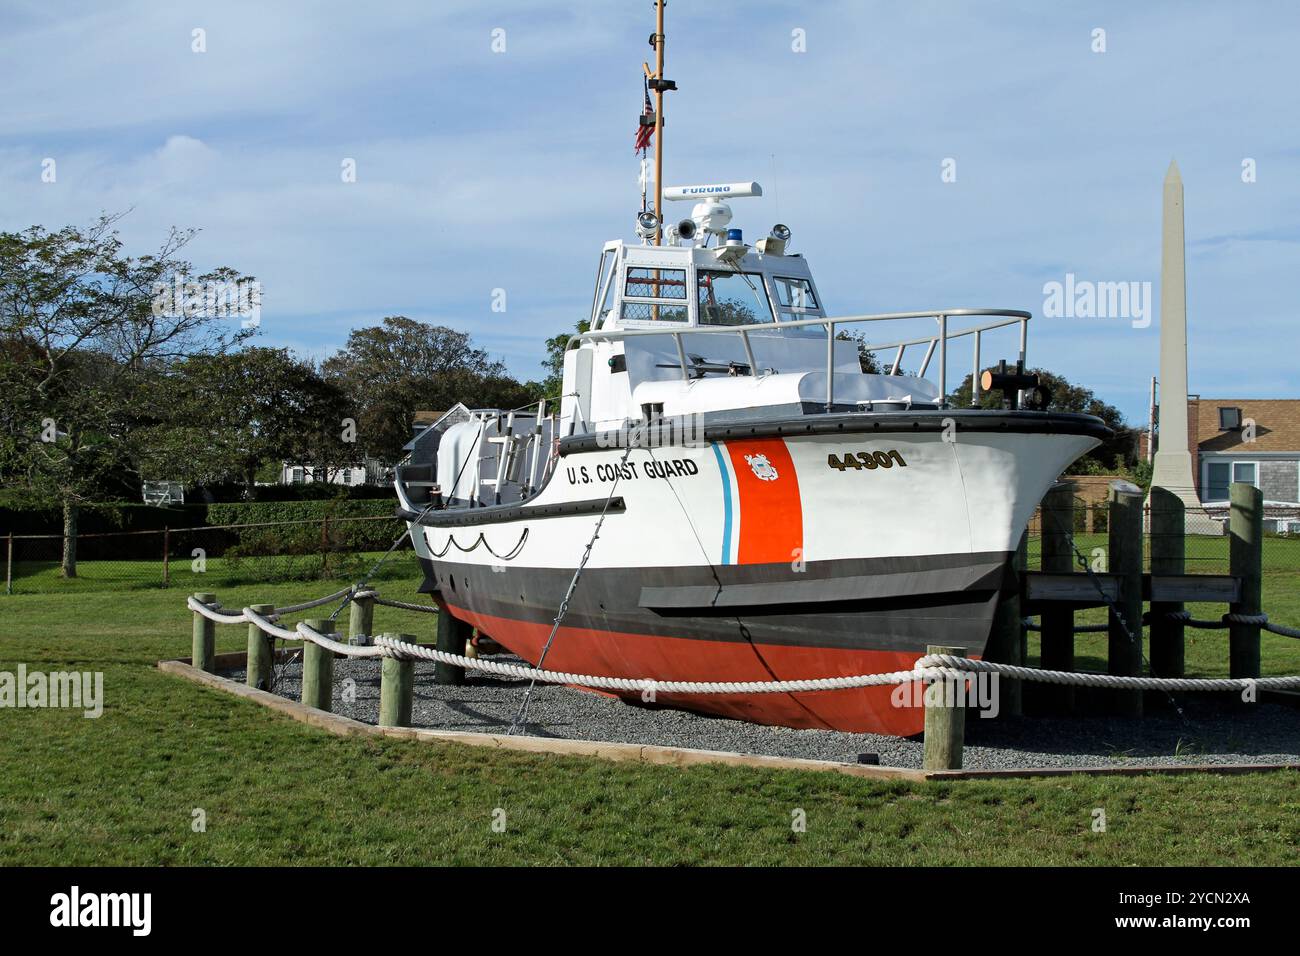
[660, 86]
[659, 119]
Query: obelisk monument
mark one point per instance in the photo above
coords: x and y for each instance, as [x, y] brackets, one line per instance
[1173, 462]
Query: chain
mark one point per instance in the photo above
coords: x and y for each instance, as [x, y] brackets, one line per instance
[520, 720]
[1119, 616]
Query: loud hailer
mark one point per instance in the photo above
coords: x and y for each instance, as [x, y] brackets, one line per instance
[633, 470]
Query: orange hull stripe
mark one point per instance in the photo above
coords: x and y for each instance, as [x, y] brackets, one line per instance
[771, 512]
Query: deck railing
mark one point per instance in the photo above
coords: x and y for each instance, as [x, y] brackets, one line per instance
[937, 342]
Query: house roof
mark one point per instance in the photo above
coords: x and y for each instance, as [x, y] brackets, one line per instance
[1277, 424]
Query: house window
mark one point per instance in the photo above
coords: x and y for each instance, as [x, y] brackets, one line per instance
[297, 476]
[1219, 474]
[1229, 419]
[347, 476]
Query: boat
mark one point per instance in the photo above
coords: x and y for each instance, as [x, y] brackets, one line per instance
[726, 491]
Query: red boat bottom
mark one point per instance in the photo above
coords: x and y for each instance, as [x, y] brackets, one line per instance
[881, 710]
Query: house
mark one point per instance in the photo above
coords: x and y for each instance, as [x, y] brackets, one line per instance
[1251, 440]
[428, 428]
[163, 492]
[369, 472]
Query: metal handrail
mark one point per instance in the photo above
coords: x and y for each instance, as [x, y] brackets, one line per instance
[940, 340]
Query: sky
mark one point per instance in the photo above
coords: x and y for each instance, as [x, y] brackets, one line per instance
[492, 144]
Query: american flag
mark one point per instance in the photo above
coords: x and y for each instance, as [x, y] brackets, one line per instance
[643, 132]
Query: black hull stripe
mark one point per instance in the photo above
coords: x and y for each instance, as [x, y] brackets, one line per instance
[894, 615]
[970, 420]
[499, 514]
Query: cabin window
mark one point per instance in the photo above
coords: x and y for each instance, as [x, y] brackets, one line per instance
[605, 274]
[732, 298]
[654, 295]
[653, 312]
[643, 283]
[795, 295]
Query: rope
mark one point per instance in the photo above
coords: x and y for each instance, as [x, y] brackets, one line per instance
[404, 651]
[1083, 679]
[295, 608]
[404, 606]
[928, 668]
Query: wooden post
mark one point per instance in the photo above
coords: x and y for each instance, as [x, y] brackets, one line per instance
[203, 649]
[1057, 637]
[396, 688]
[1022, 563]
[1005, 645]
[9, 565]
[324, 546]
[452, 638]
[945, 718]
[1246, 562]
[1168, 556]
[318, 668]
[261, 652]
[361, 620]
[167, 542]
[1124, 655]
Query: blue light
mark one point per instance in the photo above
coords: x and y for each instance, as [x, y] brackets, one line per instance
[733, 235]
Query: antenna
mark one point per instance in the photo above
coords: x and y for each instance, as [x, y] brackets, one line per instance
[710, 213]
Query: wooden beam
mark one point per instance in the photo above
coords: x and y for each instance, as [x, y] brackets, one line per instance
[1076, 588]
[1124, 642]
[318, 667]
[203, 648]
[260, 650]
[945, 717]
[1209, 588]
[1057, 635]
[1245, 559]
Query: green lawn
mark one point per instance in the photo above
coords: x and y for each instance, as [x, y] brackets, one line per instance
[122, 789]
[1207, 651]
[44, 577]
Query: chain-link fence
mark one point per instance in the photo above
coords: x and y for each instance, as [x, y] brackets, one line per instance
[1204, 536]
[197, 559]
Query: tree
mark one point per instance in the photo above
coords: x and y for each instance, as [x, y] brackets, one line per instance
[1112, 455]
[83, 332]
[866, 358]
[224, 417]
[556, 346]
[390, 370]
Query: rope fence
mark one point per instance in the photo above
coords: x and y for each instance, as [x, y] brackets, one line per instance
[928, 667]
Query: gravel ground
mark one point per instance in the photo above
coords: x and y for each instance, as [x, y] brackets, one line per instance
[1209, 733]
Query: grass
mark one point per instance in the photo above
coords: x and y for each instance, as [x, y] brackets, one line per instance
[44, 577]
[1207, 651]
[1205, 554]
[122, 789]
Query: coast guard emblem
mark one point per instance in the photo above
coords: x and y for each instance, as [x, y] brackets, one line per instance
[763, 469]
